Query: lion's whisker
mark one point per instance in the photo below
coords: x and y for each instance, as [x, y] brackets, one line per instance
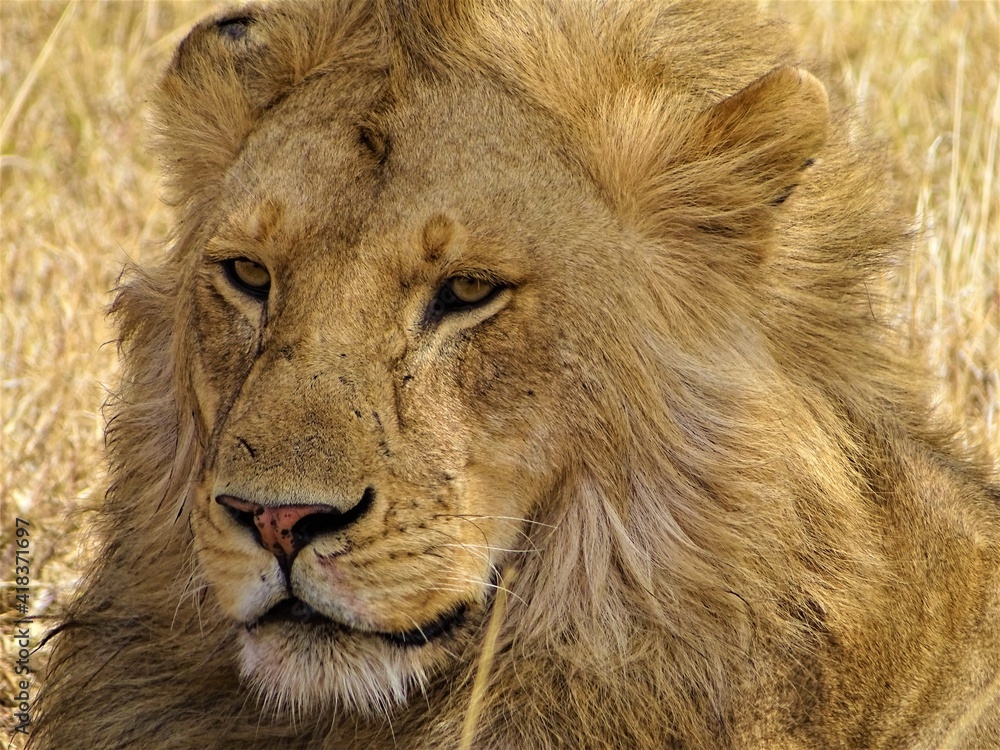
[488, 585]
[467, 545]
[513, 519]
[471, 518]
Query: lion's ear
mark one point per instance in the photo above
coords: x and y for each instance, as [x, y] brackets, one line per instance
[725, 171]
[756, 143]
[770, 130]
[232, 68]
[207, 102]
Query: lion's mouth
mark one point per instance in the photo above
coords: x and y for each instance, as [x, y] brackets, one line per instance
[297, 611]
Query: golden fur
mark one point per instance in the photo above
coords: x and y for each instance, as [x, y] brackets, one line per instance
[677, 436]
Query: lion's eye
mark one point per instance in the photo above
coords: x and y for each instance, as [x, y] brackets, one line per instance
[248, 276]
[461, 292]
[469, 291]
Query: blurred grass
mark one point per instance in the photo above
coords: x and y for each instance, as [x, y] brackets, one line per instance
[78, 195]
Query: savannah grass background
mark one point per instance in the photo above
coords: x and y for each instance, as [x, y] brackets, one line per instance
[79, 196]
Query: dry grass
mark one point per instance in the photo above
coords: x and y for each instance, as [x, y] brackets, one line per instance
[79, 196]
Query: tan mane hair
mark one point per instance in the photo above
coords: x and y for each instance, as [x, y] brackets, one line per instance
[717, 518]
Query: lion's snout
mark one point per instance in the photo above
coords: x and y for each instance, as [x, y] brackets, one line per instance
[284, 530]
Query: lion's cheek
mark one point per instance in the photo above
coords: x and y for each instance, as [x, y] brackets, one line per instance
[205, 393]
[223, 348]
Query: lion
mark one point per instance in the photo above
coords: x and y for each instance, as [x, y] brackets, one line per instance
[519, 377]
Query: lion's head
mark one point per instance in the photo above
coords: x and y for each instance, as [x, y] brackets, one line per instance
[413, 312]
[576, 303]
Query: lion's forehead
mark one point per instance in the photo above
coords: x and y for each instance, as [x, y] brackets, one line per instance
[464, 150]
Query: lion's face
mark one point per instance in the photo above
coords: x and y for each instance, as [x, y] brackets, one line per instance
[429, 300]
[377, 336]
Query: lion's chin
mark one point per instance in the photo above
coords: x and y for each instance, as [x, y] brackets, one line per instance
[296, 611]
[301, 662]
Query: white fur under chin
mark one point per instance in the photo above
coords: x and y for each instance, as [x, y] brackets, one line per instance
[300, 675]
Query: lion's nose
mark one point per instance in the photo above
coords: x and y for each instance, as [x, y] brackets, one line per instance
[284, 530]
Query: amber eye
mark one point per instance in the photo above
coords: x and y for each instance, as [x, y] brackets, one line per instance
[248, 276]
[462, 292]
[470, 291]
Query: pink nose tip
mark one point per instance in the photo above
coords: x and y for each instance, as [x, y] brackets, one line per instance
[276, 524]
